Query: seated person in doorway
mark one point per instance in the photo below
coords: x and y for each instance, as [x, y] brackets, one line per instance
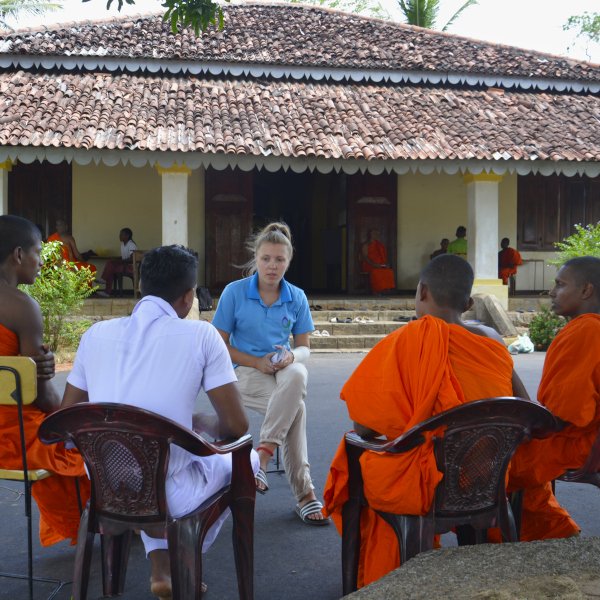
[21, 334]
[570, 389]
[255, 317]
[69, 247]
[375, 262]
[423, 368]
[508, 261]
[443, 249]
[159, 361]
[458, 247]
[118, 267]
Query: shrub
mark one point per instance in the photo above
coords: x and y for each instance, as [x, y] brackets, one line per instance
[584, 242]
[544, 327]
[60, 290]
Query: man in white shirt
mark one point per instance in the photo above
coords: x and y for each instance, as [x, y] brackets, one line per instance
[114, 266]
[158, 360]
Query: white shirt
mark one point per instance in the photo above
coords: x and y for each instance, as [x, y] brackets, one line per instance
[153, 360]
[127, 249]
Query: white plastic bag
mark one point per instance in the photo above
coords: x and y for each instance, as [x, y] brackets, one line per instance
[522, 345]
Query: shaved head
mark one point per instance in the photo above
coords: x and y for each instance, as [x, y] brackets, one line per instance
[14, 232]
[585, 269]
[449, 278]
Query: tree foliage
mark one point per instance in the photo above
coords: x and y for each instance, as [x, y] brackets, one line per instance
[587, 25]
[584, 242]
[197, 14]
[60, 290]
[424, 13]
[12, 9]
[544, 327]
[367, 8]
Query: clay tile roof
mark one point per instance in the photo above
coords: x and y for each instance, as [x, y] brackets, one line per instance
[293, 35]
[294, 118]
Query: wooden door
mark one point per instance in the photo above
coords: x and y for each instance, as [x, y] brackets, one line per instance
[228, 225]
[372, 204]
[41, 192]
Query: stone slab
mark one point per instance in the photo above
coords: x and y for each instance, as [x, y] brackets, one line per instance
[559, 569]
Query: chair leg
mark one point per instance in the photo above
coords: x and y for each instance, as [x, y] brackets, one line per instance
[415, 534]
[115, 554]
[350, 545]
[185, 556]
[83, 557]
[516, 505]
[243, 497]
[506, 522]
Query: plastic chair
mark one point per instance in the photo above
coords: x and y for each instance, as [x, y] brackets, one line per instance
[588, 473]
[473, 452]
[126, 450]
[18, 385]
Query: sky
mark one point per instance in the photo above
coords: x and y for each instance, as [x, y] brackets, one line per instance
[533, 24]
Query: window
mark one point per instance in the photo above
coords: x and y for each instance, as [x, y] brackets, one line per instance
[549, 208]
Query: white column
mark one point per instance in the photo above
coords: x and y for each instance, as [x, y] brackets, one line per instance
[5, 167]
[174, 204]
[482, 233]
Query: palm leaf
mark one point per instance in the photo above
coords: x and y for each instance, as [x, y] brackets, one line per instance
[458, 12]
[420, 12]
[14, 8]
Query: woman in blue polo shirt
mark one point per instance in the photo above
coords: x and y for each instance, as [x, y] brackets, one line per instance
[256, 316]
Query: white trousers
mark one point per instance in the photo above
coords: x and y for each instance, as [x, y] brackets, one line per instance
[191, 486]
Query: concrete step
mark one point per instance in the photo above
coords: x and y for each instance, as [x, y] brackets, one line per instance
[344, 342]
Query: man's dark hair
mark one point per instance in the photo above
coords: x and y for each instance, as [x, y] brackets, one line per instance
[14, 232]
[449, 278]
[168, 272]
[461, 231]
[586, 269]
[127, 232]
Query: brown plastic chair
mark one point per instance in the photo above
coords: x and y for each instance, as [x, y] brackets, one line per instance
[126, 450]
[18, 386]
[473, 454]
[588, 473]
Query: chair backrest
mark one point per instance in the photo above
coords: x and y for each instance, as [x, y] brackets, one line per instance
[473, 452]
[126, 451]
[18, 378]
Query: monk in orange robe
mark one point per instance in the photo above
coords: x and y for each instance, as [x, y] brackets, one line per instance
[424, 368]
[508, 261]
[69, 249]
[21, 334]
[374, 262]
[570, 389]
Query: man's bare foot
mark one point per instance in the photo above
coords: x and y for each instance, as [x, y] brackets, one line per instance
[160, 580]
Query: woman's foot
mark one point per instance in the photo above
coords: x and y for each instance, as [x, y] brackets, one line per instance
[265, 454]
[314, 514]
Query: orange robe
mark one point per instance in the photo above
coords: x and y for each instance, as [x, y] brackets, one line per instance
[508, 261]
[66, 254]
[380, 279]
[55, 496]
[570, 389]
[422, 369]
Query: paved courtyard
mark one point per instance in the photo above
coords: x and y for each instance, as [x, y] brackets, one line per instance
[292, 561]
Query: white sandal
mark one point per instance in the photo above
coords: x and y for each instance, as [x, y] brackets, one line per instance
[316, 333]
[325, 333]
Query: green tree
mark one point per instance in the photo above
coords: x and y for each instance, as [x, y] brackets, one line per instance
[60, 290]
[367, 8]
[424, 13]
[587, 27]
[197, 14]
[584, 242]
[12, 9]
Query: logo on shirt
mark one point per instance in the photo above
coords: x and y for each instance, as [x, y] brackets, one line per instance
[286, 325]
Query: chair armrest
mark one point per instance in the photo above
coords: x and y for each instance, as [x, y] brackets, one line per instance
[226, 446]
[401, 444]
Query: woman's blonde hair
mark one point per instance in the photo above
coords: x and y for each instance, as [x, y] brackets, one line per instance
[273, 233]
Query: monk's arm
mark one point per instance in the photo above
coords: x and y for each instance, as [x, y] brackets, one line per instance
[29, 327]
[73, 247]
[73, 395]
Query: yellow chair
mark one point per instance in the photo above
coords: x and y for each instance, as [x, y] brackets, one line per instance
[18, 385]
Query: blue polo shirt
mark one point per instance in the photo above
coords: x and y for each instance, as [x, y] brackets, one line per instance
[254, 327]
